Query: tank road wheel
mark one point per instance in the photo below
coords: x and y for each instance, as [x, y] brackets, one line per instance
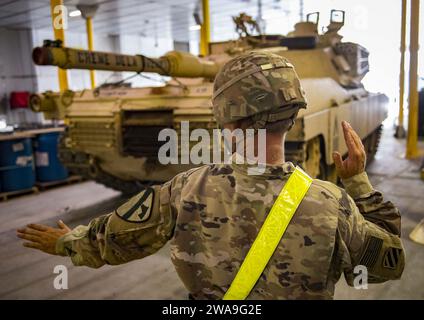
[371, 143]
[312, 164]
[315, 164]
[331, 174]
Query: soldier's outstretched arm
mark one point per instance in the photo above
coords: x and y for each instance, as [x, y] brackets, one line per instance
[369, 227]
[138, 228]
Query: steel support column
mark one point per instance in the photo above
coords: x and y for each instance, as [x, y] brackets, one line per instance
[205, 29]
[58, 23]
[400, 129]
[412, 137]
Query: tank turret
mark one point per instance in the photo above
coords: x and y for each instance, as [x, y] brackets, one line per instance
[174, 63]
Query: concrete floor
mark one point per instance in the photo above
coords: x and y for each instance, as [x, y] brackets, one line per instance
[27, 274]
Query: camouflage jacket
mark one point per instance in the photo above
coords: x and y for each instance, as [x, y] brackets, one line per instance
[212, 215]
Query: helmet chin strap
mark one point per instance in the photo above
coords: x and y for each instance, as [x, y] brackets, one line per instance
[260, 120]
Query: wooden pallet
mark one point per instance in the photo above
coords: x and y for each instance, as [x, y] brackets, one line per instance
[50, 184]
[10, 194]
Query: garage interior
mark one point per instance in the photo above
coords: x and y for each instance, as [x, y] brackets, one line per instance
[153, 28]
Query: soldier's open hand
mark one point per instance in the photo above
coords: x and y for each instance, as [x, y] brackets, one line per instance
[355, 162]
[42, 237]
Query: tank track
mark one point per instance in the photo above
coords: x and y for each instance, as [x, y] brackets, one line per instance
[128, 188]
[372, 142]
[79, 163]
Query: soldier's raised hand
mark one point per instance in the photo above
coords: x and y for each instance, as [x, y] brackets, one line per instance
[356, 159]
[42, 237]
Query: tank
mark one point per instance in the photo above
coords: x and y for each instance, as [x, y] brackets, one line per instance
[112, 131]
[47, 164]
[16, 165]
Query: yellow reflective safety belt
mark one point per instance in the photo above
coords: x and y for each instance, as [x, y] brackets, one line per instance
[270, 235]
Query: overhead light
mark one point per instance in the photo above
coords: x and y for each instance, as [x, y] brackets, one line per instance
[195, 27]
[75, 13]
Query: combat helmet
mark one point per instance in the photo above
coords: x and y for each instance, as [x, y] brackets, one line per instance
[259, 85]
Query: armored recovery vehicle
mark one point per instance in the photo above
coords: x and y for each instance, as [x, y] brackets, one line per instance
[112, 131]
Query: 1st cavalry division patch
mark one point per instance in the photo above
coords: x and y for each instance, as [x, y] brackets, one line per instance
[138, 208]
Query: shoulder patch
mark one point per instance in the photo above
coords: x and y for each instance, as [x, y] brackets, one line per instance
[371, 252]
[138, 208]
[391, 258]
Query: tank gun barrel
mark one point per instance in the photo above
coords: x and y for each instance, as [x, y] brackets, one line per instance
[173, 63]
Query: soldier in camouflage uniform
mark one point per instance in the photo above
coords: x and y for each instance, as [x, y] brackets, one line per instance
[212, 214]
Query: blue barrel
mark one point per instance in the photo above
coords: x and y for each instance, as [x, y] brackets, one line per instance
[16, 165]
[47, 164]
